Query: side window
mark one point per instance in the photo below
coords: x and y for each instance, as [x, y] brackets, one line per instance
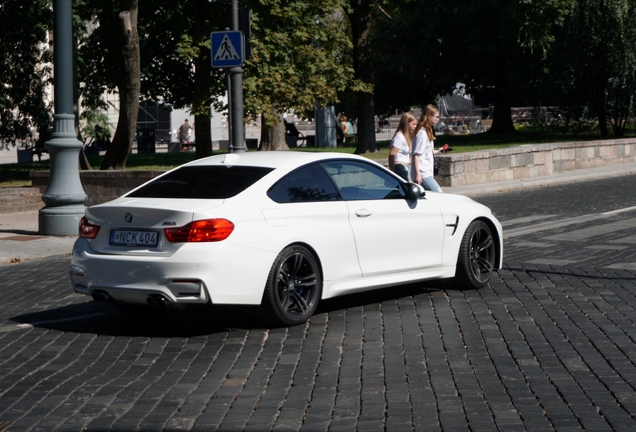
[361, 181]
[306, 184]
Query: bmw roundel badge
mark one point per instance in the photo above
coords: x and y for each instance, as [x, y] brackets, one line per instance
[128, 217]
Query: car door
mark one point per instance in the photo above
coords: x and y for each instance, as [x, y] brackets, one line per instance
[311, 211]
[392, 234]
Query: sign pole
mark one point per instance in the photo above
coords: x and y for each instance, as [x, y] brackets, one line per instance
[230, 127]
[236, 77]
[228, 52]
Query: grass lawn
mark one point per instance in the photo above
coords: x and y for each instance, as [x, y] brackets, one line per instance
[18, 174]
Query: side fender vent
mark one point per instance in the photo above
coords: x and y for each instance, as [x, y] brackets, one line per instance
[454, 225]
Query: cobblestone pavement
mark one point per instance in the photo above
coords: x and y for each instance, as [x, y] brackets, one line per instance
[548, 345]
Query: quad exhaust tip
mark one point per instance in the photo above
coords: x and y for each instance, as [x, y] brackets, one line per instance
[102, 296]
[157, 300]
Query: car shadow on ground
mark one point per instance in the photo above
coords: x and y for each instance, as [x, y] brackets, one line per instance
[105, 319]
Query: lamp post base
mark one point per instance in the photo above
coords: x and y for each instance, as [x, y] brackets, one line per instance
[60, 221]
[65, 196]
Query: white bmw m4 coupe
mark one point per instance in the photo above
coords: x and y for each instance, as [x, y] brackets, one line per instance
[282, 230]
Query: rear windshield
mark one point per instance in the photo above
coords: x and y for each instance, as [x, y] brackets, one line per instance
[204, 182]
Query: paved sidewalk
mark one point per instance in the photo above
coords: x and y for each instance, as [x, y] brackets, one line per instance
[19, 238]
[20, 241]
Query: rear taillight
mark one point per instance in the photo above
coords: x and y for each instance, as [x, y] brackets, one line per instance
[87, 230]
[209, 230]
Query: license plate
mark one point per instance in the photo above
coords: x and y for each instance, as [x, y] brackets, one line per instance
[133, 238]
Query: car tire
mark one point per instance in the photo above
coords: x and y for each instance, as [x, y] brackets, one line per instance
[293, 288]
[476, 260]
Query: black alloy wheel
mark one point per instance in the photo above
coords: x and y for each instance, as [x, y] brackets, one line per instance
[293, 287]
[476, 261]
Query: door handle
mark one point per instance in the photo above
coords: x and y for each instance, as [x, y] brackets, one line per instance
[362, 213]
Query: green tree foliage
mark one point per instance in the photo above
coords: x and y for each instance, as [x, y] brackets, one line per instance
[24, 60]
[594, 62]
[369, 56]
[565, 52]
[176, 65]
[174, 49]
[496, 46]
[108, 60]
[297, 51]
[409, 70]
[360, 13]
[94, 132]
[502, 45]
[298, 48]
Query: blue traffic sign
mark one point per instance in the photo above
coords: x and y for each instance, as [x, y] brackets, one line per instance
[228, 49]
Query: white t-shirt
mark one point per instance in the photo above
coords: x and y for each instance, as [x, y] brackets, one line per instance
[423, 148]
[403, 155]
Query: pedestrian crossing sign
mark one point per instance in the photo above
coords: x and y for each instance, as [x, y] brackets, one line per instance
[228, 49]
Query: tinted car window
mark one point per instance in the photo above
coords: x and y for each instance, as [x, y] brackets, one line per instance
[361, 181]
[305, 184]
[204, 182]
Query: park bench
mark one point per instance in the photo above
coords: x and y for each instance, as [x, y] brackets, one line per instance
[351, 138]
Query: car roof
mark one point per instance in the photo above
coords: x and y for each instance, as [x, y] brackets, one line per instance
[272, 159]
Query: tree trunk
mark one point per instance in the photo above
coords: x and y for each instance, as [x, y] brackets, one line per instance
[600, 107]
[361, 20]
[273, 137]
[203, 136]
[502, 115]
[129, 87]
[84, 164]
[202, 114]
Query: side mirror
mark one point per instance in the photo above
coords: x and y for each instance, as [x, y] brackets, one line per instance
[414, 191]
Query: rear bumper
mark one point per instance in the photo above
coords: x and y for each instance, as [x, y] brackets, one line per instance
[193, 291]
[228, 275]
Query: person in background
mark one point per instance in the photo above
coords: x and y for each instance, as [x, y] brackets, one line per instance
[184, 135]
[424, 150]
[400, 149]
[344, 125]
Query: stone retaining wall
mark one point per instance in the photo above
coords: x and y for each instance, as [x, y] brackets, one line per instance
[462, 169]
[532, 160]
